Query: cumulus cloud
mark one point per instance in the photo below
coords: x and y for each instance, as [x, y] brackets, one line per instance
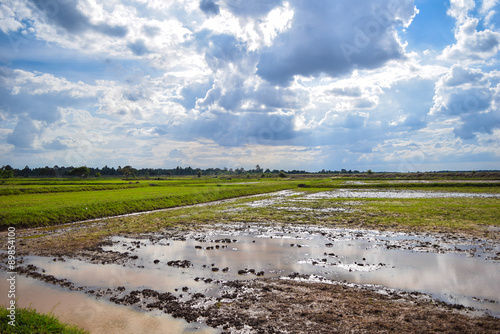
[459, 75]
[469, 95]
[335, 38]
[472, 45]
[208, 82]
[8, 20]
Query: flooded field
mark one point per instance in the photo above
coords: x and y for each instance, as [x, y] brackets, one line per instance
[96, 316]
[203, 274]
[456, 271]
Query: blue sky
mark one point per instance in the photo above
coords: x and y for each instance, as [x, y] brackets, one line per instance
[393, 85]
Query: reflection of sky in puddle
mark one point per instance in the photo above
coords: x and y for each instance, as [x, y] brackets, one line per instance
[355, 256]
[352, 193]
[96, 316]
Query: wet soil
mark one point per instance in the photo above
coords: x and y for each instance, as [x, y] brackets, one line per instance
[297, 304]
[252, 300]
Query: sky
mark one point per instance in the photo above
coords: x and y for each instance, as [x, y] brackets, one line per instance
[386, 85]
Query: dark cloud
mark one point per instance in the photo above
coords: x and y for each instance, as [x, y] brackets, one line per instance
[138, 47]
[334, 38]
[66, 15]
[209, 7]
[253, 8]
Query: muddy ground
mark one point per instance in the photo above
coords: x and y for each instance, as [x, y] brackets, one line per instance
[298, 304]
[292, 304]
[295, 303]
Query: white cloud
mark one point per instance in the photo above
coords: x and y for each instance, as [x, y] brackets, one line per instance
[334, 38]
[8, 21]
[472, 45]
[237, 83]
[459, 9]
[488, 5]
[469, 95]
[43, 83]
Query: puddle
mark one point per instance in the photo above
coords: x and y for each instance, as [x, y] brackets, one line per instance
[95, 316]
[456, 271]
[352, 193]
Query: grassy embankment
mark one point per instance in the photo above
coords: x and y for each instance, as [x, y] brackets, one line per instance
[43, 202]
[474, 216]
[469, 215]
[28, 321]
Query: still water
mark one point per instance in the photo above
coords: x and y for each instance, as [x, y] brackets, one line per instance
[457, 271]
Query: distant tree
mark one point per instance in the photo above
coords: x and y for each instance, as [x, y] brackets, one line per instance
[82, 172]
[97, 174]
[282, 174]
[6, 172]
[199, 173]
[128, 171]
[369, 172]
[46, 171]
[26, 171]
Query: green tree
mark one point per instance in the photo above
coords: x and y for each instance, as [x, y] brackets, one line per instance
[6, 172]
[128, 171]
[82, 171]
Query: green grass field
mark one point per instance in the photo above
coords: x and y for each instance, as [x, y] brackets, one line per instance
[29, 321]
[47, 202]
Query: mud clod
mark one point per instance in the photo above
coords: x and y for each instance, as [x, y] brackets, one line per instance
[180, 263]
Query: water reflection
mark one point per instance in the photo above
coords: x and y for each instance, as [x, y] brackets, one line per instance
[95, 316]
[410, 262]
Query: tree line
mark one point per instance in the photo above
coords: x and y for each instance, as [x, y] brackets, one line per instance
[128, 171]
